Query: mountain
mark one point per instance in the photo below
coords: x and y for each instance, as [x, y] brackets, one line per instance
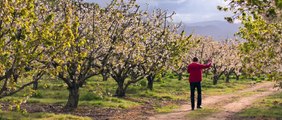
[219, 30]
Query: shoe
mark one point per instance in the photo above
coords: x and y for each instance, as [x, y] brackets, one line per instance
[199, 107]
[192, 109]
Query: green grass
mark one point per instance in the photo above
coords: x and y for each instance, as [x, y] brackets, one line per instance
[39, 116]
[201, 114]
[224, 88]
[110, 103]
[95, 92]
[100, 93]
[270, 107]
[47, 101]
[166, 109]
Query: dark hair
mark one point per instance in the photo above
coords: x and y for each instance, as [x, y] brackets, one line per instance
[195, 59]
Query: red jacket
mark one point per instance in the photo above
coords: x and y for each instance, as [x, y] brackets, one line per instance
[195, 70]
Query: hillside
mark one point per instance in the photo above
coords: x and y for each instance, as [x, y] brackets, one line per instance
[219, 30]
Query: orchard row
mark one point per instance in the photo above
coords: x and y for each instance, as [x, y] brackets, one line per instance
[73, 41]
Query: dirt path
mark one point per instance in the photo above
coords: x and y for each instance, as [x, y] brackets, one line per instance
[229, 104]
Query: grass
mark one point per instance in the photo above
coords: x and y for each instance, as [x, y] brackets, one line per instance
[201, 114]
[224, 88]
[166, 109]
[39, 116]
[114, 103]
[100, 93]
[270, 107]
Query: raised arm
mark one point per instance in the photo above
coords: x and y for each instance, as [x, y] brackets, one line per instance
[204, 66]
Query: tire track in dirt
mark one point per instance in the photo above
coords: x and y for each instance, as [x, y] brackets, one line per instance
[234, 107]
[228, 109]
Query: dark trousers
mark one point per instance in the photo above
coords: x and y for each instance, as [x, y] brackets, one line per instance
[199, 91]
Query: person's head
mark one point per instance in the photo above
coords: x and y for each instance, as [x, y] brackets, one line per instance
[195, 59]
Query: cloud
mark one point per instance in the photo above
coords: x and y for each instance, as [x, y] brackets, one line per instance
[163, 1]
[187, 10]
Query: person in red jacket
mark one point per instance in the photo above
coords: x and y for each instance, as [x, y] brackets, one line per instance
[195, 78]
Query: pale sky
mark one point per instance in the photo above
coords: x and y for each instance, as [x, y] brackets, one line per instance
[188, 11]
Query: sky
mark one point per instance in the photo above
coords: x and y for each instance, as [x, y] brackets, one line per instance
[187, 11]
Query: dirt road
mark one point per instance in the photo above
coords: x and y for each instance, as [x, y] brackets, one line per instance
[229, 104]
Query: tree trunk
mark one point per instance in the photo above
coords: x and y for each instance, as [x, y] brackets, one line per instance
[215, 75]
[206, 73]
[252, 78]
[180, 76]
[73, 98]
[163, 74]
[215, 79]
[227, 78]
[120, 92]
[105, 76]
[150, 79]
[237, 77]
[35, 85]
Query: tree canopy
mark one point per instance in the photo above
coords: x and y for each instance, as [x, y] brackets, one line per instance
[262, 31]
